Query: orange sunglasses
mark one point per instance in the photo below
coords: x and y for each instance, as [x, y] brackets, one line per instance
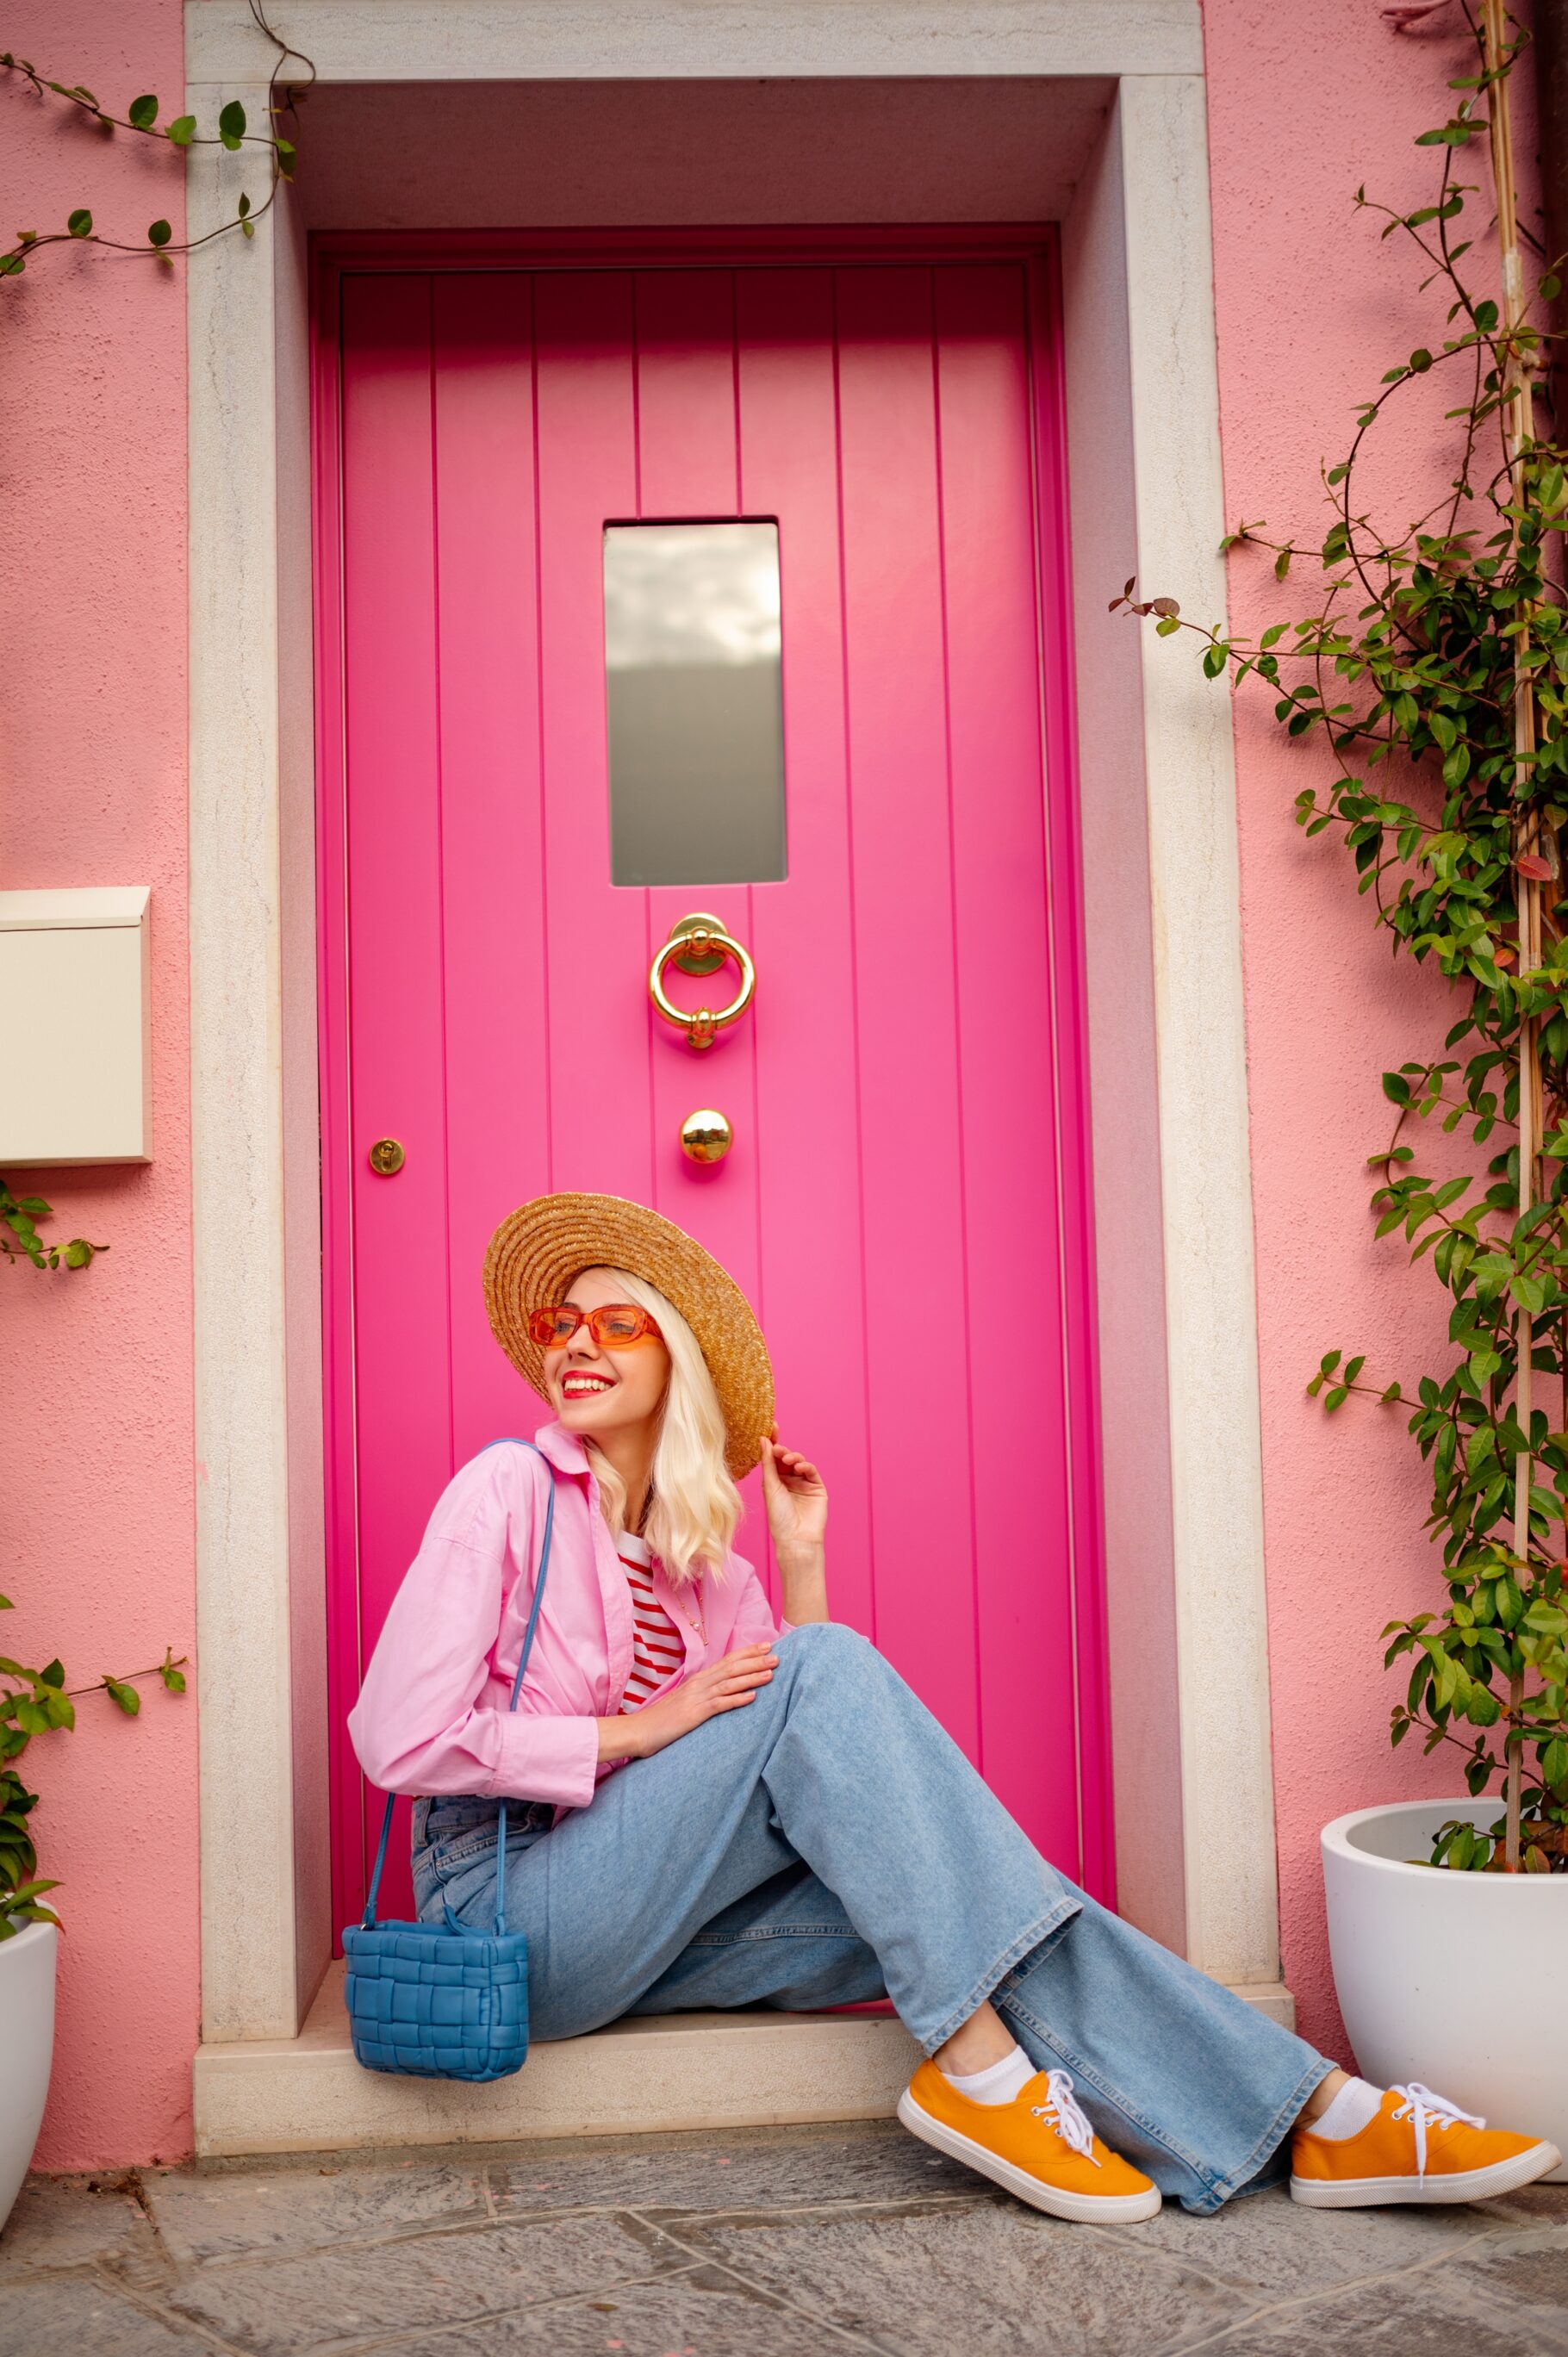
[614, 1327]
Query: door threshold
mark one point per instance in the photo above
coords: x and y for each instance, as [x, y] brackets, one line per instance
[649, 2073]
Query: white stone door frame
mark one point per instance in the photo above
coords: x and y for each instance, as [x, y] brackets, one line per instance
[1176, 1304]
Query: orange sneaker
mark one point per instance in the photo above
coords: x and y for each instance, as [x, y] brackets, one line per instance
[1420, 2147]
[1040, 2147]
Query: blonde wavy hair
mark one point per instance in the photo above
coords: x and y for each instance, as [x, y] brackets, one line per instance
[693, 1506]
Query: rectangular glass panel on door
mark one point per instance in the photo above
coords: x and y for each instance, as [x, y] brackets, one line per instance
[695, 711]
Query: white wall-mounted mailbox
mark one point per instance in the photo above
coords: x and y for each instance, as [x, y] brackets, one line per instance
[75, 1036]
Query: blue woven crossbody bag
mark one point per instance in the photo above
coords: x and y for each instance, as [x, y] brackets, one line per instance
[437, 2000]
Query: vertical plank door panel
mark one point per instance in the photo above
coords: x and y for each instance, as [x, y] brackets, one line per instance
[917, 1337]
[1008, 1090]
[497, 985]
[340, 1458]
[595, 937]
[402, 1264]
[686, 470]
[808, 1115]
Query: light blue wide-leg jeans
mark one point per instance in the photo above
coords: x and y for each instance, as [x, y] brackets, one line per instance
[830, 1843]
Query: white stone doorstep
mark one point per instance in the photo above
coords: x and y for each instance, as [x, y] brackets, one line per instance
[659, 2071]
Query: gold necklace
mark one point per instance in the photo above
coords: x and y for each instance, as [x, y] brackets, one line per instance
[700, 1623]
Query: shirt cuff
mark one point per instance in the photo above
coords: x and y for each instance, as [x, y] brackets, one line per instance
[547, 1760]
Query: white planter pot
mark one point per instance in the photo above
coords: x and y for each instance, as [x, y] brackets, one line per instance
[26, 2049]
[1453, 1979]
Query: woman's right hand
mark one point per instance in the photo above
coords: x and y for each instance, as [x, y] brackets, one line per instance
[726, 1684]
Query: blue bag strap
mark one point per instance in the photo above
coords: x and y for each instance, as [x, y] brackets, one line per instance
[369, 1917]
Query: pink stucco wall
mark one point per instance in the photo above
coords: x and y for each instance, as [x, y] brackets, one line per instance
[1305, 104]
[96, 1517]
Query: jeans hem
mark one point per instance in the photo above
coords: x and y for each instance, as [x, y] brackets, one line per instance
[1220, 2190]
[1027, 1941]
[1211, 2191]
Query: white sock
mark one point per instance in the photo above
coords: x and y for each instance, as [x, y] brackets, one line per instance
[998, 2083]
[1354, 2107]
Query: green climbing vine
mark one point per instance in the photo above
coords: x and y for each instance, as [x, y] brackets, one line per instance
[39, 1702]
[181, 133]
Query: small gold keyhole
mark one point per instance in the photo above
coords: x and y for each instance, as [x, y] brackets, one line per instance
[386, 1156]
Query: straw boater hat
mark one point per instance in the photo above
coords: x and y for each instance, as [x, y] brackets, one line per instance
[541, 1247]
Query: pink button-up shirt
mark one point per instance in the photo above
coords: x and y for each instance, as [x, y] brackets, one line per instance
[432, 1714]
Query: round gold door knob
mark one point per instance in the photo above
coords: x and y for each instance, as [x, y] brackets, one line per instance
[705, 1136]
[386, 1156]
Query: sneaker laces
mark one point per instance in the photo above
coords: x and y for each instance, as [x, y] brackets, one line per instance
[1061, 2109]
[1430, 2111]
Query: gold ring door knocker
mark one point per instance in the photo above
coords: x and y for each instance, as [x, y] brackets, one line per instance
[701, 945]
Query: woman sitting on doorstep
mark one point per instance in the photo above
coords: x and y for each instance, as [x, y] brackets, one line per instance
[725, 1812]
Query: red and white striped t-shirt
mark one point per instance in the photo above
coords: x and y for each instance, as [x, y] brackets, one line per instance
[657, 1650]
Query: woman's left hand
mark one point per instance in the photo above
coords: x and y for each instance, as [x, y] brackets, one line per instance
[797, 1500]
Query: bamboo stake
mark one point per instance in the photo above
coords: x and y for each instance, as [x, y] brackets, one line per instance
[1517, 417]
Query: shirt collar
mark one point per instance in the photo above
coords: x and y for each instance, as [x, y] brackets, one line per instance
[563, 1449]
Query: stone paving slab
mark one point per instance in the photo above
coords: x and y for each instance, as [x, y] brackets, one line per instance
[84, 2318]
[992, 2281]
[702, 2315]
[1531, 2272]
[342, 2296]
[764, 2243]
[72, 2222]
[1420, 2315]
[802, 2172]
[202, 2217]
[1268, 2244]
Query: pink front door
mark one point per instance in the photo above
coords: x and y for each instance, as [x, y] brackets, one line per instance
[905, 1201]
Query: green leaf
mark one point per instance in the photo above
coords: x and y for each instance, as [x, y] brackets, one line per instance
[80, 222]
[129, 1700]
[77, 1253]
[159, 233]
[172, 1678]
[244, 204]
[142, 113]
[182, 130]
[231, 125]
